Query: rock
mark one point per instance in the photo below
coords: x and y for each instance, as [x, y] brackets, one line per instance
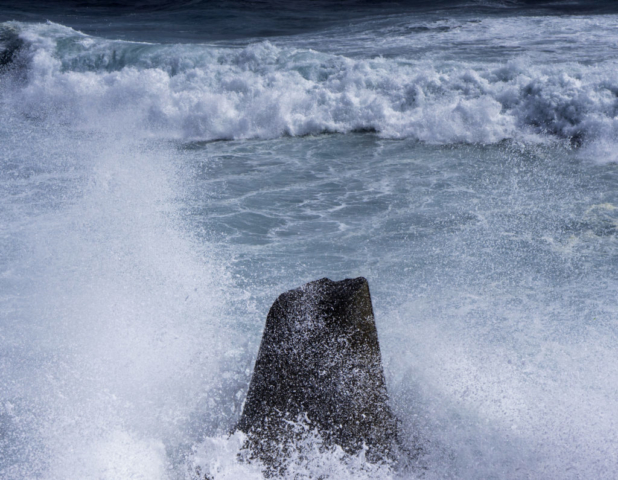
[319, 362]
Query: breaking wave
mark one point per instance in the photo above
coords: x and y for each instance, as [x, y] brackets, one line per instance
[209, 92]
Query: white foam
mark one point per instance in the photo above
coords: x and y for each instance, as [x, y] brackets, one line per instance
[263, 91]
[223, 458]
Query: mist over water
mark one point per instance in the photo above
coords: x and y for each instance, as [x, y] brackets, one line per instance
[157, 195]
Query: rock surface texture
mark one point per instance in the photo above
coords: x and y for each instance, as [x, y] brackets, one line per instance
[319, 363]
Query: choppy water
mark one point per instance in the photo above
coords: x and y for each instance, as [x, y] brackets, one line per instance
[166, 170]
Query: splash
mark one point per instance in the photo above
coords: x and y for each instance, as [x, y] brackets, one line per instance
[202, 92]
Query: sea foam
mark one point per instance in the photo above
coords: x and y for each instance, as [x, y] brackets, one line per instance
[209, 92]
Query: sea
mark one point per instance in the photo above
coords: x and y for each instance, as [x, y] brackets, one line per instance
[168, 168]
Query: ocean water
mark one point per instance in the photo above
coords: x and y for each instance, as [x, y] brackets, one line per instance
[168, 169]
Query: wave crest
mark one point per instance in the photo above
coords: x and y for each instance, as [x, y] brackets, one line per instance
[201, 92]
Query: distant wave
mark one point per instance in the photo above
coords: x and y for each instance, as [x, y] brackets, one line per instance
[201, 92]
[195, 5]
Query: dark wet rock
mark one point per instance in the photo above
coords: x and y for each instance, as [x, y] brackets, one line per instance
[319, 362]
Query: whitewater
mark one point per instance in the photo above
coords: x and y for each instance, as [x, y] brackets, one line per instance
[161, 186]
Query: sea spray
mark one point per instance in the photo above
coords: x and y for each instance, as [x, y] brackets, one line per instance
[462, 161]
[120, 314]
